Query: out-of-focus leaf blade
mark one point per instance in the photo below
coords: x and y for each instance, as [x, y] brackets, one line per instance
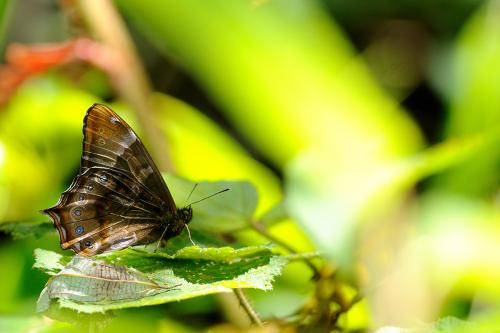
[20, 230]
[475, 101]
[274, 215]
[33, 324]
[288, 75]
[332, 206]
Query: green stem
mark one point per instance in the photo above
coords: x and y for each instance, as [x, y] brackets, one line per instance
[261, 229]
[245, 304]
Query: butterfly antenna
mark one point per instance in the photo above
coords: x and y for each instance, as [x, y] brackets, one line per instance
[211, 195]
[189, 235]
[192, 190]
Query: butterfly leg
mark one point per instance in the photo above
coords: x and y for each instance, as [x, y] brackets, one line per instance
[159, 240]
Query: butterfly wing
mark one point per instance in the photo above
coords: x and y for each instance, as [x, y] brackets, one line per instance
[110, 142]
[119, 197]
[104, 210]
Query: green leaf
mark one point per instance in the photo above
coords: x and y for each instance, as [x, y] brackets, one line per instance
[220, 254]
[50, 262]
[226, 212]
[443, 325]
[194, 271]
[450, 325]
[89, 280]
[276, 214]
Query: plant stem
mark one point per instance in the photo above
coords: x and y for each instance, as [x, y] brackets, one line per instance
[245, 304]
[261, 229]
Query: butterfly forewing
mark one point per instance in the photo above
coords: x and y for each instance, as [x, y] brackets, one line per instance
[119, 198]
[110, 142]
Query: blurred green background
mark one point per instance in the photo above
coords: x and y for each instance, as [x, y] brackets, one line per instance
[375, 125]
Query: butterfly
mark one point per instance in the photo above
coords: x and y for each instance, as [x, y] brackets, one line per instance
[119, 198]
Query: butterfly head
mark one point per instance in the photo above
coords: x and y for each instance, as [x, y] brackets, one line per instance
[185, 214]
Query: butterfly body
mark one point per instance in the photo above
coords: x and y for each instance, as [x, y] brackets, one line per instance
[119, 198]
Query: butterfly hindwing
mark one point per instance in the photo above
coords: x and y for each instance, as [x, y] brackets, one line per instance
[102, 211]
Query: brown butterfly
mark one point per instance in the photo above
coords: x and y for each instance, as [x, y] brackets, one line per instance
[119, 198]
